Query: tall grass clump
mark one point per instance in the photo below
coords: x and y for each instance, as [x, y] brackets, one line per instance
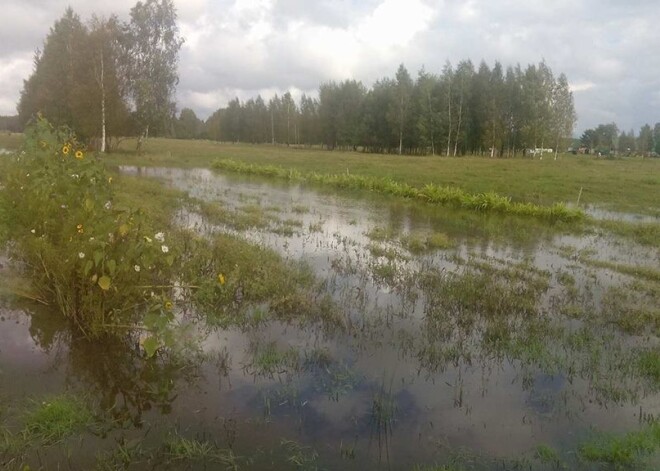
[102, 266]
[56, 418]
[433, 194]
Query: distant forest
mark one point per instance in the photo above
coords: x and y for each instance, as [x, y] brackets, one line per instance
[460, 111]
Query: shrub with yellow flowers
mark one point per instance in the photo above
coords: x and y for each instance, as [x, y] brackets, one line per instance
[103, 266]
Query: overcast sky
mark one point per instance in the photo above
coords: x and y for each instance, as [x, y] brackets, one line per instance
[609, 49]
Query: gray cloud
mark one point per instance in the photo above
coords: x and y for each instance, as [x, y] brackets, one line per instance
[248, 47]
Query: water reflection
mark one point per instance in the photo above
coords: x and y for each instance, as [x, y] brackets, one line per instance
[114, 372]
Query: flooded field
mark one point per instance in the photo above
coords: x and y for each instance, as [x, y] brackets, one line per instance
[442, 337]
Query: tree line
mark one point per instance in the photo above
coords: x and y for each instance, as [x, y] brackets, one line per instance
[462, 110]
[107, 78]
[606, 139]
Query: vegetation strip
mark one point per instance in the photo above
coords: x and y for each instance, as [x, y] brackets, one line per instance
[430, 193]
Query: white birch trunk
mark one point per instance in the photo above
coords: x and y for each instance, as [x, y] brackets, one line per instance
[103, 135]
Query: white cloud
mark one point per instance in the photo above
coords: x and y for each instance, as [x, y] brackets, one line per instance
[394, 23]
[581, 86]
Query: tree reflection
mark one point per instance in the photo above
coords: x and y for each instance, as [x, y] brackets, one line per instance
[115, 371]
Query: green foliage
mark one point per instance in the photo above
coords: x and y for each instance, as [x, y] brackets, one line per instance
[101, 265]
[419, 243]
[547, 454]
[623, 452]
[430, 193]
[299, 456]
[56, 418]
[648, 364]
[76, 79]
[152, 44]
[178, 448]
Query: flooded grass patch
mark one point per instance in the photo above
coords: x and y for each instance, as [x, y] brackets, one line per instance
[632, 270]
[623, 452]
[644, 233]
[56, 418]
[178, 448]
[430, 193]
[361, 352]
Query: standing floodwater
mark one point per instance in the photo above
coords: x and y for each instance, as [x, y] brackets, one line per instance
[454, 335]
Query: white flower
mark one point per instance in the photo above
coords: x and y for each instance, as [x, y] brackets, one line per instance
[164, 248]
[160, 237]
[108, 205]
[33, 231]
[75, 175]
[137, 268]
[91, 239]
[81, 254]
[27, 174]
[64, 206]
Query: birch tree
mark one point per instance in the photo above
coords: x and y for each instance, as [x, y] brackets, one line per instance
[151, 46]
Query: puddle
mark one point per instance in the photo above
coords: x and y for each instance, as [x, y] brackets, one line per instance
[423, 364]
[603, 214]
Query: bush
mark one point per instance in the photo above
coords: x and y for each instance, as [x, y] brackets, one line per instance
[104, 267]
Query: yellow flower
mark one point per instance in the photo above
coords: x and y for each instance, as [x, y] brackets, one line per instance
[80, 229]
[65, 149]
[109, 179]
[168, 305]
[79, 155]
[221, 279]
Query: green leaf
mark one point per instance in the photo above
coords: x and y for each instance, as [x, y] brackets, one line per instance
[89, 204]
[112, 266]
[170, 260]
[98, 256]
[105, 282]
[88, 266]
[150, 346]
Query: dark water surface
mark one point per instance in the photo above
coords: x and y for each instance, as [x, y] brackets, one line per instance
[472, 349]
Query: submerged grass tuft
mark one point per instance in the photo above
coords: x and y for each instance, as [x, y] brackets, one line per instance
[56, 418]
[623, 452]
[648, 364]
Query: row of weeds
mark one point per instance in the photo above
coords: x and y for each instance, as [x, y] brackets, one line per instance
[430, 193]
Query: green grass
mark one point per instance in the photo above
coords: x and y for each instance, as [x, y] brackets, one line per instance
[618, 184]
[636, 271]
[429, 193]
[269, 361]
[56, 418]
[10, 140]
[648, 364]
[622, 184]
[622, 452]
[417, 243]
[178, 448]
